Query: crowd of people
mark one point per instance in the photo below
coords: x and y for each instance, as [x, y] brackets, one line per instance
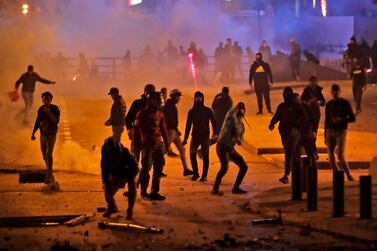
[152, 126]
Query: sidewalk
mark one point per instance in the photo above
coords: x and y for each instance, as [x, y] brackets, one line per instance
[269, 202]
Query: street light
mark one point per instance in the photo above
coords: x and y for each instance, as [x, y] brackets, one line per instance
[25, 9]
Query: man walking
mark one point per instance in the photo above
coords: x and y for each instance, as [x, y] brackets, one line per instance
[118, 167]
[47, 122]
[136, 106]
[171, 115]
[260, 72]
[28, 80]
[359, 83]
[199, 118]
[338, 114]
[294, 59]
[221, 104]
[231, 134]
[150, 129]
[117, 114]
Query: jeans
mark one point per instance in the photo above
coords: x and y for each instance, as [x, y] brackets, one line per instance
[174, 138]
[47, 148]
[204, 144]
[336, 139]
[263, 92]
[117, 133]
[290, 142]
[357, 95]
[295, 66]
[111, 187]
[151, 154]
[226, 153]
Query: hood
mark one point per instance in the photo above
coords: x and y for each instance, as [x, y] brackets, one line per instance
[198, 94]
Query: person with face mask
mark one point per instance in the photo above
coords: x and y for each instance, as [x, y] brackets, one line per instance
[150, 129]
[47, 122]
[260, 73]
[221, 104]
[290, 116]
[199, 118]
[171, 114]
[231, 134]
[136, 106]
[359, 83]
[28, 80]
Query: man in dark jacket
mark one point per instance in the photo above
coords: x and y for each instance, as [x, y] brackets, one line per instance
[359, 83]
[365, 53]
[117, 115]
[171, 116]
[260, 72]
[136, 106]
[150, 130]
[291, 117]
[295, 58]
[373, 52]
[231, 134]
[47, 123]
[313, 97]
[266, 51]
[28, 80]
[221, 105]
[199, 117]
[338, 114]
[118, 167]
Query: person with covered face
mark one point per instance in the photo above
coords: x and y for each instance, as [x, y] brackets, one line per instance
[231, 134]
[291, 118]
[28, 80]
[260, 73]
[221, 104]
[359, 83]
[136, 106]
[150, 129]
[47, 122]
[171, 115]
[199, 118]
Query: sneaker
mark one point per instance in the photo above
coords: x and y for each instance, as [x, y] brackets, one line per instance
[188, 172]
[270, 112]
[144, 195]
[163, 175]
[350, 178]
[259, 113]
[110, 211]
[219, 193]
[195, 176]
[238, 191]
[156, 196]
[173, 154]
[284, 180]
[202, 179]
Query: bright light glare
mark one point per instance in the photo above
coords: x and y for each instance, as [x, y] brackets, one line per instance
[324, 7]
[134, 2]
[314, 4]
[25, 12]
[25, 6]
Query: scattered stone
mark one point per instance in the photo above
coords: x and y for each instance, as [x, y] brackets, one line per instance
[86, 233]
[253, 242]
[7, 238]
[107, 245]
[182, 189]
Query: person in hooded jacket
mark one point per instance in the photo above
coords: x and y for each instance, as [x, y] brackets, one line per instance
[260, 72]
[117, 114]
[291, 117]
[359, 83]
[199, 118]
[221, 105]
[231, 134]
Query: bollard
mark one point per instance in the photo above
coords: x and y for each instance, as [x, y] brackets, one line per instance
[304, 170]
[296, 181]
[312, 186]
[338, 193]
[366, 197]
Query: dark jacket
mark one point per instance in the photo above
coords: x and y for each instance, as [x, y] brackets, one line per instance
[358, 76]
[28, 81]
[354, 51]
[136, 106]
[295, 55]
[117, 162]
[309, 94]
[261, 73]
[171, 114]
[47, 123]
[221, 105]
[289, 115]
[118, 112]
[150, 127]
[338, 114]
[199, 117]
